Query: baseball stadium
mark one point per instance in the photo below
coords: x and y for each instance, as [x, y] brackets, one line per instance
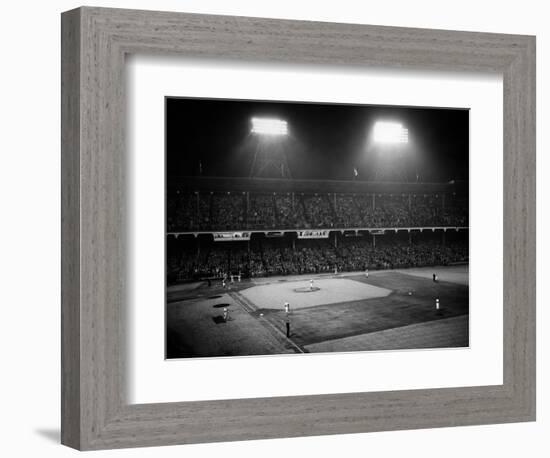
[363, 251]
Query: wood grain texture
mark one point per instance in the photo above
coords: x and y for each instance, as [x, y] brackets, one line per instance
[70, 229]
[96, 414]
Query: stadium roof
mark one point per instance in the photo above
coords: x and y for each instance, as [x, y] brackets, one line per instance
[229, 184]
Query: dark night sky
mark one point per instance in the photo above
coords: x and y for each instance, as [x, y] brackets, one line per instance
[326, 140]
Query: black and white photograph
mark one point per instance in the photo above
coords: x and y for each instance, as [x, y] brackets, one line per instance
[311, 228]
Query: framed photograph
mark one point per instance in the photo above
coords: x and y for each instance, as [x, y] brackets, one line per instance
[279, 228]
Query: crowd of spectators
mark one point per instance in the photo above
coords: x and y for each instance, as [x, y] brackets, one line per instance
[318, 211]
[182, 211]
[268, 257]
[261, 212]
[289, 212]
[348, 210]
[241, 211]
[228, 211]
[393, 256]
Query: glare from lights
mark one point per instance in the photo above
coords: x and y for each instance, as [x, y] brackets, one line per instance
[269, 126]
[390, 132]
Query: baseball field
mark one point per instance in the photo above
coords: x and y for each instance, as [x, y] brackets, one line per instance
[384, 310]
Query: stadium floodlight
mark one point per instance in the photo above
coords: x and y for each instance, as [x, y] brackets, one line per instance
[269, 126]
[390, 132]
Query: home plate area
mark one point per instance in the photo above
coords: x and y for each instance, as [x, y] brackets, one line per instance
[301, 294]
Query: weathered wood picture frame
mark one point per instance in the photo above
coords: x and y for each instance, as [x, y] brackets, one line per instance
[95, 410]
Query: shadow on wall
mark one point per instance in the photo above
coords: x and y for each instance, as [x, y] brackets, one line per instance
[53, 435]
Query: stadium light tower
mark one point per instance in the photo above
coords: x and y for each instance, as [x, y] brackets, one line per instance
[390, 142]
[269, 157]
[269, 126]
[390, 133]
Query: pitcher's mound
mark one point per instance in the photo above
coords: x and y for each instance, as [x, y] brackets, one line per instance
[306, 289]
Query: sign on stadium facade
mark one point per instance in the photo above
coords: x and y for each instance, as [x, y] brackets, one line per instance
[314, 234]
[275, 234]
[377, 232]
[231, 236]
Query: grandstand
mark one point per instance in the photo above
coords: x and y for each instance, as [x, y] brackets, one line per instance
[261, 227]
